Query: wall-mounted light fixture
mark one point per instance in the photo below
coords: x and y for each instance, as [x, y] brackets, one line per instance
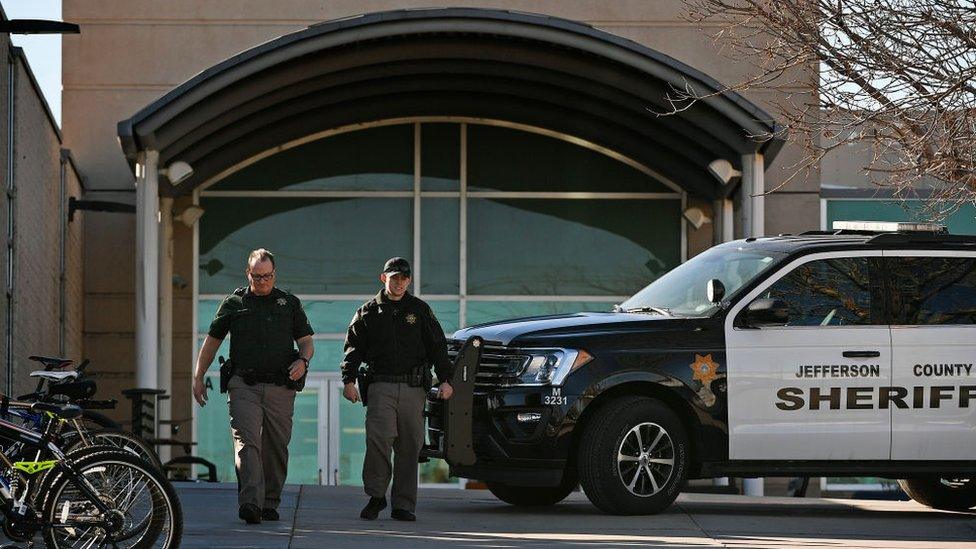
[696, 217]
[723, 170]
[177, 172]
[189, 216]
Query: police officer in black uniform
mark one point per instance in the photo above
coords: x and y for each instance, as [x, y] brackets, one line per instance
[265, 323]
[398, 337]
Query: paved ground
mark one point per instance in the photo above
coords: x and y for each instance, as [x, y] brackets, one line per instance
[317, 516]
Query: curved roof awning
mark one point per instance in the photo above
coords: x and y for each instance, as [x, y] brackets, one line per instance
[530, 69]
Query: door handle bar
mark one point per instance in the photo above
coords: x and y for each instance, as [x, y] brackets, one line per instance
[861, 354]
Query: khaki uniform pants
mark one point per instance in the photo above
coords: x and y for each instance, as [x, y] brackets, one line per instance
[260, 421]
[394, 421]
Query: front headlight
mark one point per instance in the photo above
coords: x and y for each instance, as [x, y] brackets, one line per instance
[551, 366]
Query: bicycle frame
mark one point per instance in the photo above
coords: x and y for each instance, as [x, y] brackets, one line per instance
[44, 442]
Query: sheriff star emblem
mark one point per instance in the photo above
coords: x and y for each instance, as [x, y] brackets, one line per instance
[411, 318]
[282, 301]
[704, 369]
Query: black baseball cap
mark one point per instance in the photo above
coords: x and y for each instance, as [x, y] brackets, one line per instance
[396, 265]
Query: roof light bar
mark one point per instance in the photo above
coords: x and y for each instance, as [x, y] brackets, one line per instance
[889, 227]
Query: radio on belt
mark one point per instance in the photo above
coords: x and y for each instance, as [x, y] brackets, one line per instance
[844, 352]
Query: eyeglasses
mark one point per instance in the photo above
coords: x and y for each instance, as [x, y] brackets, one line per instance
[262, 278]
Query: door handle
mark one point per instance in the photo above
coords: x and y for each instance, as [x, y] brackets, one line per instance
[861, 354]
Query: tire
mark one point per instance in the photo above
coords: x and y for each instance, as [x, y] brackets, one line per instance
[950, 494]
[118, 438]
[532, 496]
[160, 524]
[93, 420]
[623, 486]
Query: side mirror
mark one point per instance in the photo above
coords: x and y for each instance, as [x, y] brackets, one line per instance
[767, 312]
[715, 290]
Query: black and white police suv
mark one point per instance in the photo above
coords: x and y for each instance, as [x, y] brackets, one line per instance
[838, 353]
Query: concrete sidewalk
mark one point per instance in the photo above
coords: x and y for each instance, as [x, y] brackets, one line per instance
[319, 516]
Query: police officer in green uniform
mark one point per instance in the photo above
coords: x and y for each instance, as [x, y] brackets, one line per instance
[265, 323]
[398, 337]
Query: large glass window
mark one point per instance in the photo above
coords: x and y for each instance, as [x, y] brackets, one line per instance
[569, 247]
[321, 245]
[827, 292]
[933, 290]
[504, 159]
[511, 223]
[376, 159]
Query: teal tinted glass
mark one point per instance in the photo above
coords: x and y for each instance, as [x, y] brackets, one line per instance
[375, 159]
[446, 313]
[440, 157]
[480, 312]
[440, 241]
[352, 439]
[502, 159]
[321, 246]
[570, 247]
[206, 310]
[328, 355]
[962, 221]
[331, 317]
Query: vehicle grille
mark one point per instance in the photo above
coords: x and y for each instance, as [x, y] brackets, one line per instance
[499, 365]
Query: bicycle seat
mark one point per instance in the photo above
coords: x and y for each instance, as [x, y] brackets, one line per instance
[64, 411]
[51, 362]
[64, 375]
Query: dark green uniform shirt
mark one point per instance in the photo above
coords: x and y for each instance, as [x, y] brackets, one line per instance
[263, 329]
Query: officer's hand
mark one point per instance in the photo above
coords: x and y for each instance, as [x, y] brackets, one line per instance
[199, 391]
[351, 392]
[296, 370]
[444, 391]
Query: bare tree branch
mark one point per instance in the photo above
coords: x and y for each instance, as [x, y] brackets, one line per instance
[892, 77]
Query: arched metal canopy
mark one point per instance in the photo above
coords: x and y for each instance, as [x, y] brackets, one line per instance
[530, 69]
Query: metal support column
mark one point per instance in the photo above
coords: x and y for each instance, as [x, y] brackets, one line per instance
[754, 220]
[164, 378]
[753, 195]
[147, 269]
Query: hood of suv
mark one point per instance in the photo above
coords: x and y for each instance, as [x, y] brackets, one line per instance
[504, 332]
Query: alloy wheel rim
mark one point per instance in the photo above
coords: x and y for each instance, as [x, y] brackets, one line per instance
[645, 459]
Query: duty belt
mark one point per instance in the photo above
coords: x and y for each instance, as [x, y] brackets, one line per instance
[251, 377]
[389, 378]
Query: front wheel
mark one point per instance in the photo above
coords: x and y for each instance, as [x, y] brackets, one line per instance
[532, 496]
[143, 509]
[633, 457]
[951, 494]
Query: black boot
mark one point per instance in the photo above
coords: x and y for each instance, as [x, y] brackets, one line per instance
[403, 514]
[250, 513]
[269, 514]
[373, 508]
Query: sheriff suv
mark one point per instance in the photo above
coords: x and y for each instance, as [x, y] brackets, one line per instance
[833, 353]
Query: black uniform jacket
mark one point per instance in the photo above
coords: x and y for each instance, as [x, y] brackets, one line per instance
[392, 337]
[263, 329]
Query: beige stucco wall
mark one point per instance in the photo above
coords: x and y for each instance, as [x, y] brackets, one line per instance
[129, 53]
[40, 205]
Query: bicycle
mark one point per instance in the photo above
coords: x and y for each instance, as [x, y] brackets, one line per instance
[96, 496]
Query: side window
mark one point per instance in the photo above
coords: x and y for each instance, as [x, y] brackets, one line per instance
[933, 290]
[827, 292]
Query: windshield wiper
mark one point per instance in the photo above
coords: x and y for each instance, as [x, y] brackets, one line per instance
[658, 310]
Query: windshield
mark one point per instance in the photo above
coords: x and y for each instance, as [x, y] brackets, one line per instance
[682, 291]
